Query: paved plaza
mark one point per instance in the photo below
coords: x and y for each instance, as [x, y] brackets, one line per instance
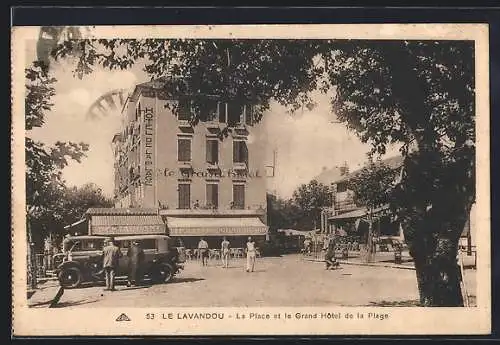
[289, 280]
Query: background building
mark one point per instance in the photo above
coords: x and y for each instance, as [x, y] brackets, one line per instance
[348, 218]
[202, 185]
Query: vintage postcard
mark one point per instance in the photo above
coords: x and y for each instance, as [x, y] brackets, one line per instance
[251, 180]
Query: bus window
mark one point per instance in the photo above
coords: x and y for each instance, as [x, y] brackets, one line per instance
[148, 244]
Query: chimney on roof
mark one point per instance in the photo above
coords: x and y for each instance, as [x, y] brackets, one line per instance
[344, 170]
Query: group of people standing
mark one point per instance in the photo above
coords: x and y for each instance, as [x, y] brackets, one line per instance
[251, 253]
[111, 257]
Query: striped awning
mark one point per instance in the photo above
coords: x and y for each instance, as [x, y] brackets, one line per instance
[127, 225]
[221, 226]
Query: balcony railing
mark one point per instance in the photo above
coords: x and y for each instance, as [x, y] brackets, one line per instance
[239, 165]
[184, 124]
[212, 124]
[345, 205]
[210, 212]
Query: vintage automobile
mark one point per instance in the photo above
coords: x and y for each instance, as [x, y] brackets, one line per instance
[83, 260]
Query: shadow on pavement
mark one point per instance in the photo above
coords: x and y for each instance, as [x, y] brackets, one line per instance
[70, 304]
[407, 303]
[94, 284]
[136, 287]
[185, 280]
[40, 304]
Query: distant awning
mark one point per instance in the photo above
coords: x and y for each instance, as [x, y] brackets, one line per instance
[347, 215]
[293, 232]
[75, 224]
[357, 213]
[202, 226]
[127, 225]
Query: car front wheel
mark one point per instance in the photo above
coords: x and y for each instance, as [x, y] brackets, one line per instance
[70, 277]
[162, 273]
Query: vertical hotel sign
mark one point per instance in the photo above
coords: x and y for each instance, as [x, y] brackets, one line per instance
[148, 147]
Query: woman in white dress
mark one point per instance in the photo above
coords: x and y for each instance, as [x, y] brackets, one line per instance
[224, 249]
[251, 254]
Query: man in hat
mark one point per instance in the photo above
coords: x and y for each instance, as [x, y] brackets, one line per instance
[111, 255]
[203, 251]
[135, 260]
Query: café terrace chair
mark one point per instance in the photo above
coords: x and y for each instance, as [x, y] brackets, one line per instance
[214, 254]
[197, 254]
[189, 254]
[232, 252]
[237, 252]
[240, 252]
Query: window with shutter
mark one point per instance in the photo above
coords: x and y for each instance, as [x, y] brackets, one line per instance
[184, 110]
[212, 151]
[213, 195]
[249, 114]
[234, 113]
[184, 196]
[240, 152]
[239, 196]
[341, 187]
[184, 150]
[236, 152]
[209, 110]
[222, 112]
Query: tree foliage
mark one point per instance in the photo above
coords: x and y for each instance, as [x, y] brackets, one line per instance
[282, 213]
[373, 185]
[45, 186]
[65, 206]
[78, 200]
[310, 199]
[417, 94]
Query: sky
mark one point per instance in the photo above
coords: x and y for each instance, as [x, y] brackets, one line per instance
[306, 142]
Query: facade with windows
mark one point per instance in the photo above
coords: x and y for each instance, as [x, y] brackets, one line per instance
[191, 173]
[346, 217]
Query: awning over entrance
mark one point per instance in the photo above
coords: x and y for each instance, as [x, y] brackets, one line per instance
[221, 226]
[358, 213]
[127, 225]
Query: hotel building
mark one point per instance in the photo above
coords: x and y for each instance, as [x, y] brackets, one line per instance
[202, 183]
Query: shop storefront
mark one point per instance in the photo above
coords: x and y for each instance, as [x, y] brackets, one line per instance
[189, 226]
[125, 221]
[236, 225]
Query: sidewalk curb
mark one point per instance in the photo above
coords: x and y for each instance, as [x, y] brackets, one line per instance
[368, 264]
[401, 267]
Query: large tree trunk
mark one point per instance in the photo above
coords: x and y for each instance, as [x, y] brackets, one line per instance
[437, 270]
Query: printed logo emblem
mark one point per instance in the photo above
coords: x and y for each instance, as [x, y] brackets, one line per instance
[123, 317]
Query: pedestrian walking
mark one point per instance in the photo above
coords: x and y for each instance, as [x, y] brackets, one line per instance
[224, 249]
[111, 255]
[135, 261]
[251, 254]
[203, 251]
